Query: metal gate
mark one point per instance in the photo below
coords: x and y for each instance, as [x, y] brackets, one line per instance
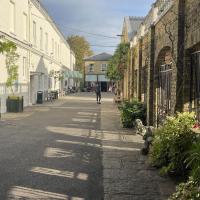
[195, 81]
[164, 92]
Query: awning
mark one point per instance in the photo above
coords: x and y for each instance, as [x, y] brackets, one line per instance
[103, 78]
[91, 78]
[73, 74]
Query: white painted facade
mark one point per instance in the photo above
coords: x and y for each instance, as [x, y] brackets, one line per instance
[41, 48]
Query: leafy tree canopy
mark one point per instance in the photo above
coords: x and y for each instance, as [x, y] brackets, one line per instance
[81, 48]
[119, 62]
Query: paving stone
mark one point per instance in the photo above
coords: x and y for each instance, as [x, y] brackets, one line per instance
[128, 174]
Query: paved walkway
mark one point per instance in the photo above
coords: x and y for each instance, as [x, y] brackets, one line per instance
[74, 149]
[127, 174]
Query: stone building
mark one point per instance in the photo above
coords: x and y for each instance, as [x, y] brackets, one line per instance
[95, 70]
[130, 27]
[165, 59]
[42, 48]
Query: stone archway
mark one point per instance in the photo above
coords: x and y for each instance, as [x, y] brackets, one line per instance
[162, 91]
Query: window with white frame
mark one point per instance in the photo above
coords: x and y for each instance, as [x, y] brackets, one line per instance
[12, 17]
[34, 33]
[91, 68]
[55, 49]
[104, 67]
[46, 42]
[24, 72]
[58, 51]
[25, 24]
[41, 38]
[52, 47]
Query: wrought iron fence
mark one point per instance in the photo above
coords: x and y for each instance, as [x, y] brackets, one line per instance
[164, 92]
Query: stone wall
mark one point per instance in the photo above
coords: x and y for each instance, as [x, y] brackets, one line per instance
[171, 39]
[164, 43]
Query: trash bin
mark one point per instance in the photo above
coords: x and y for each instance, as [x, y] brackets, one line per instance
[39, 97]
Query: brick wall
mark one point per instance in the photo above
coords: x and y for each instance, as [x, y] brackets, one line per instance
[170, 40]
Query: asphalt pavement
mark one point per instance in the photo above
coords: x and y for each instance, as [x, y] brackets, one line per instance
[74, 149]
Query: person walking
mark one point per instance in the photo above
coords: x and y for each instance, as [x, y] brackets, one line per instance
[98, 93]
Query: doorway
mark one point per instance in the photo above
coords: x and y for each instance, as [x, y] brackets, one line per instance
[104, 86]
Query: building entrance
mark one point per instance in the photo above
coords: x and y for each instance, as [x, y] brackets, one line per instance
[104, 86]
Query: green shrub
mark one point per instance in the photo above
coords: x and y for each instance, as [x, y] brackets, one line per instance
[130, 111]
[193, 161]
[187, 191]
[171, 142]
[15, 97]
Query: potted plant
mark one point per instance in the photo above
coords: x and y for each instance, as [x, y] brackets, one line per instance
[14, 102]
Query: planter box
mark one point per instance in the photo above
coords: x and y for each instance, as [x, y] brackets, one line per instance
[15, 104]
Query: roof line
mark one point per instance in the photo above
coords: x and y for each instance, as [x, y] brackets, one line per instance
[50, 19]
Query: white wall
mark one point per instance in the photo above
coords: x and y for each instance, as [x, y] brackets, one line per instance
[53, 54]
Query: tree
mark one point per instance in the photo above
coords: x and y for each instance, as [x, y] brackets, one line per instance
[119, 62]
[81, 48]
[9, 49]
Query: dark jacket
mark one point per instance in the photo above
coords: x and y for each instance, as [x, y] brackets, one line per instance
[98, 89]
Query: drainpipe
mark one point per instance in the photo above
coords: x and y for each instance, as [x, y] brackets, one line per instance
[29, 51]
[180, 55]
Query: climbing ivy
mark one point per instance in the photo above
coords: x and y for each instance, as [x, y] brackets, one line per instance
[9, 49]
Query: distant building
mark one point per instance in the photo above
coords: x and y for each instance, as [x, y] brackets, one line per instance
[95, 70]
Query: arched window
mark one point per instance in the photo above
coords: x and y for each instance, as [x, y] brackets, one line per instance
[163, 84]
[164, 91]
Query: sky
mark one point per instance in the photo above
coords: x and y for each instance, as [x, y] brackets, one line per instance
[90, 18]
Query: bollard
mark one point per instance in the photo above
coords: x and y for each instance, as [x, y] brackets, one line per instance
[0, 108]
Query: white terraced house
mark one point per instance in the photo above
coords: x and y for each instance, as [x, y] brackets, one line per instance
[41, 47]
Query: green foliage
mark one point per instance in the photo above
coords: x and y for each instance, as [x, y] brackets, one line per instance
[130, 111]
[113, 73]
[187, 191]
[15, 98]
[119, 62]
[193, 161]
[171, 142]
[1, 47]
[9, 49]
[81, 48]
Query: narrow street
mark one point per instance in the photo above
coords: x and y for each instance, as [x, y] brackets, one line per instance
[75, 149]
